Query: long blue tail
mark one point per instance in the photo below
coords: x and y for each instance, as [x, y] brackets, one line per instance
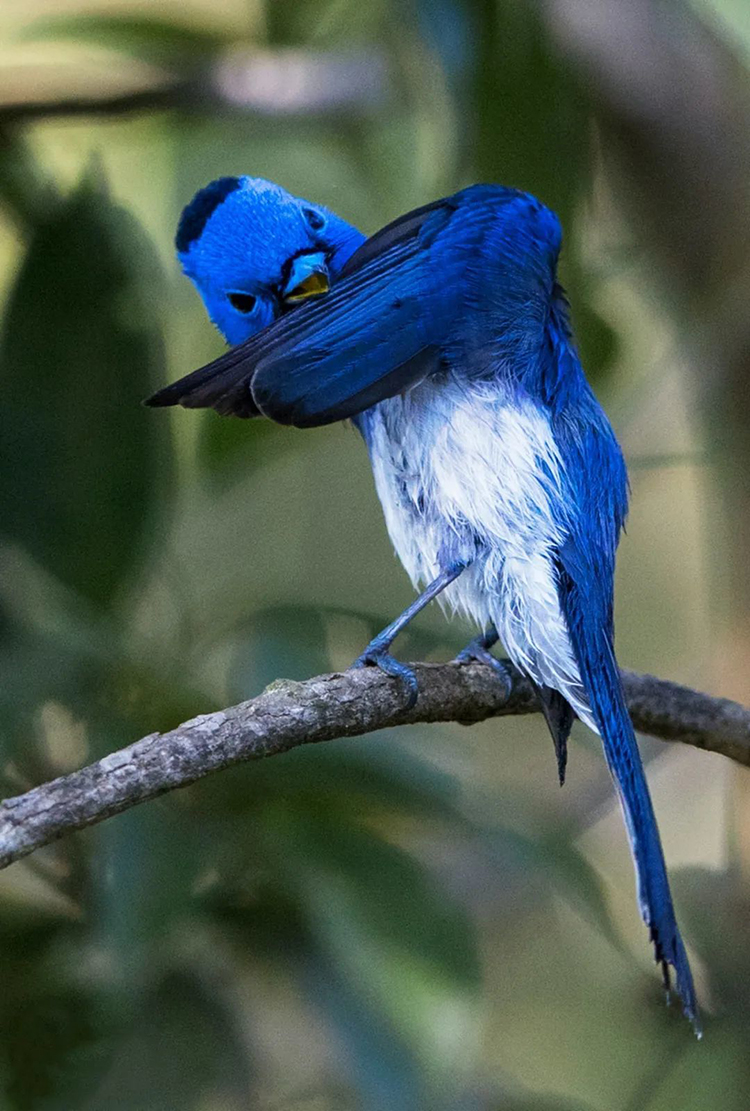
[592, 513]
[604, 688]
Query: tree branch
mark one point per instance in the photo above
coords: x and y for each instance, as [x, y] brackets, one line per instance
[348, 704]
[283, 81]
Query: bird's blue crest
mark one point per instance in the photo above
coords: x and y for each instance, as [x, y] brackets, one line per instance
[202, 206]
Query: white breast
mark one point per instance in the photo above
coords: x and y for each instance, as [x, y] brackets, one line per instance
[460, 468]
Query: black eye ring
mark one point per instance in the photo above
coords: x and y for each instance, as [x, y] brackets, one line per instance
[243, 302]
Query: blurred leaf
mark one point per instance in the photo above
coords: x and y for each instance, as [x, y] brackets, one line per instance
[379, 1061]
[80, 461]
[532, 117]
[291, 641]
[115, 700]
[551, 864]
[230, 449]
[185, 1049]
[715, 907]
[159, 41]
[597, 342]
[532, 1103]
[26, 192]
[55, 1052]
[400, 944]
[533, 131]
[448, 32]
[288, 641]
[713, 1073]
[144, 864]
[576, 881]
[70, 1040]
[307, 21]
[387, 955]
[365, 777]
[52, 1044]
[374, 907]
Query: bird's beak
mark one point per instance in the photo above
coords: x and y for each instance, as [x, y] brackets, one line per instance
[308, 277]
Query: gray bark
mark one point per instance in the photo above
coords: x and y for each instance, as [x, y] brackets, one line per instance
[348, 704]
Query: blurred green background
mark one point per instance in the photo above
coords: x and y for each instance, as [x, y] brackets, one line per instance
[420, 919]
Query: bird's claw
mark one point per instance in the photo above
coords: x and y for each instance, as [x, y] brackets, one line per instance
[477, 651]
[376, 656]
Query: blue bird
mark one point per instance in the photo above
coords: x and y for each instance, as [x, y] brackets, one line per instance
[445, 338]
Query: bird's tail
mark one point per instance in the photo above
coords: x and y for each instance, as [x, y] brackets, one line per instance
[611, 715]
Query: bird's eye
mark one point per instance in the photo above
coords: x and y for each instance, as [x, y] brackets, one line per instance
[243, 302]
[315, 219]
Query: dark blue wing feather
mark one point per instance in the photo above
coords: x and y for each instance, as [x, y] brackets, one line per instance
[224, 384]
[399, 231]
[404, 296]
[368, 339]
[376, 333]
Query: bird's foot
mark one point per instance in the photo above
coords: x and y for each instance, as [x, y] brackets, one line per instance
[478, 650]
[377, 655]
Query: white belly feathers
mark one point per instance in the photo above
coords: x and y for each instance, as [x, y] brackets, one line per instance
[463, 469]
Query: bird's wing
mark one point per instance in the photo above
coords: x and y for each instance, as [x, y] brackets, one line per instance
[377, 332]
[222, 385]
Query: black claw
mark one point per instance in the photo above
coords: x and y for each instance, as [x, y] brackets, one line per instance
[379, 657]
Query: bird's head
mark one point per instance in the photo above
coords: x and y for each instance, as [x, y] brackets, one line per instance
[253, 250]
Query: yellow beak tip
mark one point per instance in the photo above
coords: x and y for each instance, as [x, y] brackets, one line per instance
[312, 286]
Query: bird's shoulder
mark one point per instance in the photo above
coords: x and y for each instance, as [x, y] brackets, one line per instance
[479, 213]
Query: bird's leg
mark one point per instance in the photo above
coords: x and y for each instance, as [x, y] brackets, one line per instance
[479, 649]
[376, 653]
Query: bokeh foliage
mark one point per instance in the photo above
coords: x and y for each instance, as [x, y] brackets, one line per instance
[414, 920]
